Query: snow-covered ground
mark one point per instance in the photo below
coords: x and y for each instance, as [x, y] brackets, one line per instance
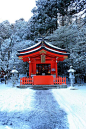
[72, 101]
[13, 99]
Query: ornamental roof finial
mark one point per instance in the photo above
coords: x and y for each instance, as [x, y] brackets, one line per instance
[42, 37]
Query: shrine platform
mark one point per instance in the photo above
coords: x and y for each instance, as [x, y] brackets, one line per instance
[41, 87]
[43, 82]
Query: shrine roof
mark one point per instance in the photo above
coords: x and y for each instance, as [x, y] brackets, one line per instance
[39, 44]
[30, 48]
[52, 46]
[23, 53]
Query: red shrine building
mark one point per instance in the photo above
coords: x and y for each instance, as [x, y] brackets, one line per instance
[43, 59]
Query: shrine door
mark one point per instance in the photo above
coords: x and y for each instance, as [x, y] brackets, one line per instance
[43, 69]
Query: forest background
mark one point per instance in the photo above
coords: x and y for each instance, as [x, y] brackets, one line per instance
[61, 22]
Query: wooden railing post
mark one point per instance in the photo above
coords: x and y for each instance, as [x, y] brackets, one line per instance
[26, 80]
[60, 80]
[57, 80]
[65, 80]
[20, 81]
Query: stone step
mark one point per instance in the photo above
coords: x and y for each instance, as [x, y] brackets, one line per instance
[42, 86]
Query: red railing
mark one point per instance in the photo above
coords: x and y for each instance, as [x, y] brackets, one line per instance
[26, 80]
[60, 80]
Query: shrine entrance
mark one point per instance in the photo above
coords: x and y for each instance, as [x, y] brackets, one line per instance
[43, 69]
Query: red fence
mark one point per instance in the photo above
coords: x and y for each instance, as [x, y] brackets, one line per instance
[26, 80]
[58, 80]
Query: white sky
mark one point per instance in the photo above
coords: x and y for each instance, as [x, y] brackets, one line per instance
[13, 10]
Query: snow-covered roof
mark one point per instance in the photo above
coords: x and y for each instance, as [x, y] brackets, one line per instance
[45, 44]
[29, 48]
[29, 52]
[52, 46]
[71, 70]
[40, 48]
[14, 70]
[57, 52]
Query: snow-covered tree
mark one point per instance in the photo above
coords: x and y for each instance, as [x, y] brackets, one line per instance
[73, 39]
[21, 29]
[45, 17]
[5, 30]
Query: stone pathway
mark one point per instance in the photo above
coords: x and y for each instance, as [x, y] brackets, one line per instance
[45, 114]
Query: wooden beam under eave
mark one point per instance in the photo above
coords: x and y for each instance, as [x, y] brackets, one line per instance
[25, 59]
[20, 57]
[65, 57]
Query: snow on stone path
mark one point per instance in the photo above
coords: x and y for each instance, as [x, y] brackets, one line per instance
[27, 109]
[74, 103]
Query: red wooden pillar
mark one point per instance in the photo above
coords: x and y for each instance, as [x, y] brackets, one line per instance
[56, 68]
[35, 67]
[51, 67]
[29, 68]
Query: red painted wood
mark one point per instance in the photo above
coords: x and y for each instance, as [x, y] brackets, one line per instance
[36, 54]
[35, 58]
[20, 81]
[26, 80]
[56, 69]
[65, 80]
[43, 80]
[30, 69]
[60, 80]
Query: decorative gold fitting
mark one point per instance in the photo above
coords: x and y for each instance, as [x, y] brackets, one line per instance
[42, 51]
[65, 57]
[21, 57]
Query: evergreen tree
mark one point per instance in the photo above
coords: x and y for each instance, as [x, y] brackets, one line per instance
[44, 16]
[69, 8]
[63, 6]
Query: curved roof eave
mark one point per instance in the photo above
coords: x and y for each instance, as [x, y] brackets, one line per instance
[45, 48]
[30, 48]
[38, 44]
[53, 51]
[56, 48]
